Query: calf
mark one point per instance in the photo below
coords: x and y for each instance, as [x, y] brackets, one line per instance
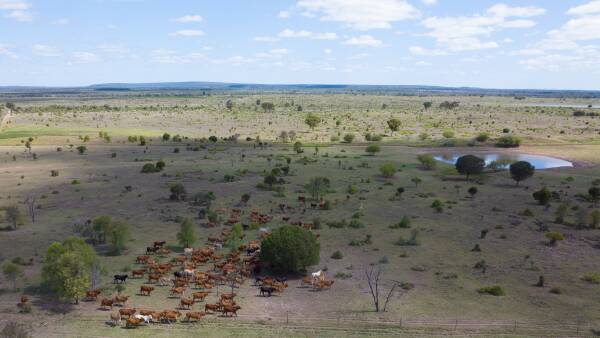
[138, 273]
[92, 295]
[194, 315]
[115, 318]
[106, 302]
[212, 307]
[177, 291]
[199, 295]
[186, 303]
[132, 323]
[230, 309]
[146, 290]
[127, 312]
[121, 300]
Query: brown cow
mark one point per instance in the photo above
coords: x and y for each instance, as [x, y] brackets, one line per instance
[138, 273]
[153, 277]
[186, 303]
[199, 295]
[230, 309]
[121, 300]
[132, 323]
[146, 290]
[170, 316]
[177, 291]
[92, 295]
[115, 318]
[228, 296]
[142, 259]
[194, 315]
[106, 302]
[212, 307]
[127, 312]
[25, 299]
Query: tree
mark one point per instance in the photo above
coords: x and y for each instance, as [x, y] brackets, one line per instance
[394, 124]
[233, 240]
[166, 137]
[14, 216]
[470, 165]
[372, 149]
[30, 203]
[312, 121]
[427, 161]
[81, 150]
[594, 194]
[554, 237]
[102, 226]
[186, 235]
[387, 170]
[67, 268]
[543, 196]
[118, 236]
[520, 171]
[268, 107]
[375, 288]
[11, 272]
[298, 147]
[448, 134]
[178, 192]
[160, 165]
[245, 198]
[318, 186]
[290, 249]
[427, 104]
[416, 181]
[348, 138]
[472, 191]
[229, 104]
[270, 180]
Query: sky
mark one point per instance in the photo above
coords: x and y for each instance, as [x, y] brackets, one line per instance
[550, 44]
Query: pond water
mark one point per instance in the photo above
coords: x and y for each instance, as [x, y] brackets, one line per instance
[504, 160]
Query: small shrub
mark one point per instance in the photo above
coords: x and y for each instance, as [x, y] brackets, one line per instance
[494, 290]
[592, 278]
[403, 224]
[337, 255]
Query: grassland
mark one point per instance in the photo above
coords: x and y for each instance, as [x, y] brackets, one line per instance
[440, 267]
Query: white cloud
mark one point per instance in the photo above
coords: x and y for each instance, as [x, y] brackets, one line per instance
[188, 33]
[364, 41]
[14, 5]
[416, 50]
[61, 22]
[592, 7]
[234, 60]
[6, 50]
[423, 63]
[429, 2]
[165, 56]
[358, 56]
[22, 16]
[113, 49]
[465, 33]
[274, 53]
[45, 50]
[505, 11]
[360, 14]
[283, 15]
[84, 57]
[265, 39]
[188, 19]
[327, 51]
[292, 34]
[571, 46]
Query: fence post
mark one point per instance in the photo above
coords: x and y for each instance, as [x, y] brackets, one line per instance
[455, 325]
[515, 329]
[401, 322]
[287, 318]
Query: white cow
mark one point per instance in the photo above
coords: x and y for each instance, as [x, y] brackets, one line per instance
[146, 319]
[188, 251]
[317, 276]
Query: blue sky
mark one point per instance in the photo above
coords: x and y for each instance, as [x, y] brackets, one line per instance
[494, 44]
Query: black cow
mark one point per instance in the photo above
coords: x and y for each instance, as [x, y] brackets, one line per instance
[268, 290]
[152, 249]
[120, 279]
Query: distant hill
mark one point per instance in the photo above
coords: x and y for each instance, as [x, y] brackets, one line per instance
[313, 88]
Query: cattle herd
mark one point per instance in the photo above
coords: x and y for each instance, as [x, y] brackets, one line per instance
[192, 276]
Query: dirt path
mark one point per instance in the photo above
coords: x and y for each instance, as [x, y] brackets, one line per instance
[6, 118]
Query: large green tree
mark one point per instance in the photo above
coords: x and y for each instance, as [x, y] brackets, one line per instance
[470, 165]
[67, 268]
[290, 249]
[520, 171]
[318, 186]
[186, 235]
[118, 236]
[312, 121]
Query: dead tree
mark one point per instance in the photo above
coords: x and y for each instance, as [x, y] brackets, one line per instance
[375, 284]
[30, 202]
